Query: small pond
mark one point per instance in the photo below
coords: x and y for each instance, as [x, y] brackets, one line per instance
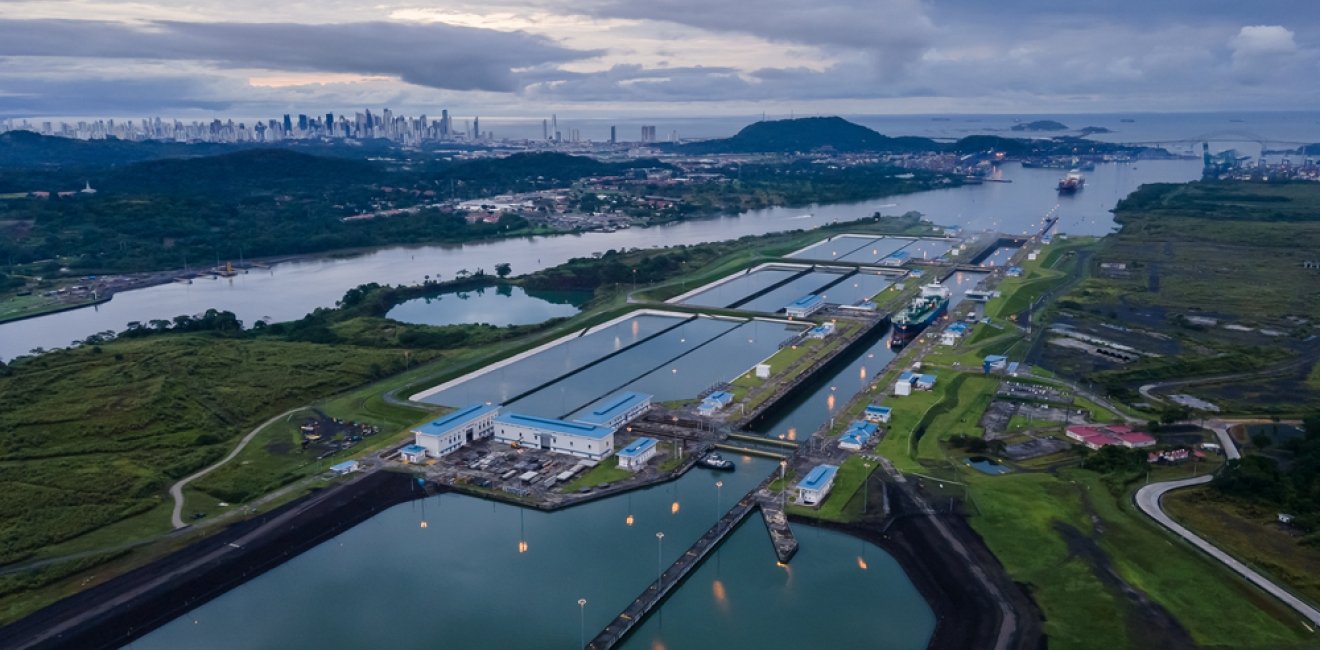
[498, 305]
[986, 465]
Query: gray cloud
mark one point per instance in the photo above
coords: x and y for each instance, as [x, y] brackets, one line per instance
[435, 55]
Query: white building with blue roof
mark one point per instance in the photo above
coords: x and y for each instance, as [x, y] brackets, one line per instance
[635, 456]
[559, 436]
[616, 410]
[805, 306]
[415, 454]
[877, 413]
[813, 489]
[445, 434]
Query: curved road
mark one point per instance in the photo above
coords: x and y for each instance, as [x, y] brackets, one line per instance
[1148, 499]
[176, 490]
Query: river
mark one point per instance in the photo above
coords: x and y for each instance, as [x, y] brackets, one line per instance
[290, 290]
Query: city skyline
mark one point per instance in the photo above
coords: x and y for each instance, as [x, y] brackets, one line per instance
[517, 58]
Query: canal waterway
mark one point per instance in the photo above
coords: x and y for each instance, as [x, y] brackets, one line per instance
[499, 305]
[290, 290]
[818, 402]
[463, 582]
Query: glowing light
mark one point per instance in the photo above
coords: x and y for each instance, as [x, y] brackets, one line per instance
[634, 328]
[423, 524]
[829, 402]
[717, 589]
[673, 509]
[862, 373]
[861, 563]
[792, 433]
[674, 370]
[629, 520]
[522, 546]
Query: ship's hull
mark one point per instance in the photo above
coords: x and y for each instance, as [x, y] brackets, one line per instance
[913, 327]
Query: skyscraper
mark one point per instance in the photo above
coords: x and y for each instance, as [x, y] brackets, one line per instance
[288, 124]
[330, 123]
[614, 135]
[444, 122]
[476, 128]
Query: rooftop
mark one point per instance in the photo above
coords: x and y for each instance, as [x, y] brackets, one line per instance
[637, 447]
[412, 450]
[806, 301]
[876, 408]
[556, 426]
[456, 419]
[613, 406]
[818, 477]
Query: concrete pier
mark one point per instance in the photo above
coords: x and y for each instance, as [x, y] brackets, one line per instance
[776, 522]
[671, 578]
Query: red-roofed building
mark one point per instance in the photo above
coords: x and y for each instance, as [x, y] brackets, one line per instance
[1097, 436]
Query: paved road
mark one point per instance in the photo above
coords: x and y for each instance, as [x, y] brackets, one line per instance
[176, 490]
[1148, 499]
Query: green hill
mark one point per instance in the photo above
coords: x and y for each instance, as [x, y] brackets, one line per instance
[808, 134]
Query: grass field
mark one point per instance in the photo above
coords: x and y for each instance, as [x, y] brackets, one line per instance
[94, 435]
[1252, 534]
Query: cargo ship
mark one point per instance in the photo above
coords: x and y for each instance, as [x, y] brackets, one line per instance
[1072, 182]
[924, 310]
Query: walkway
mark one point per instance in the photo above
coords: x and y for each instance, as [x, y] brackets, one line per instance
[667, 581]
[176, 490]
[1148, 499]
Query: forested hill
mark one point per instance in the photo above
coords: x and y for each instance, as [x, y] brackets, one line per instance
[233, 175]
[837, 134]
[25, 149]
[807, 134]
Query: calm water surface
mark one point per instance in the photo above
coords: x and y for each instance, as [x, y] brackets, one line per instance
[497, 305]
[462, 583]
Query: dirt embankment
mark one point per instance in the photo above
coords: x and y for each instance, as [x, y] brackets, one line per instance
[129, 606]
[966, 615]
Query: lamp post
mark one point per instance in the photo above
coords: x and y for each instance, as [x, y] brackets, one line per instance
[719, 485]
[582, 622]
[659, 559]
[783, 482]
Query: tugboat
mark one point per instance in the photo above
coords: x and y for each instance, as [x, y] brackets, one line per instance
[716, 461]
[1072, 182]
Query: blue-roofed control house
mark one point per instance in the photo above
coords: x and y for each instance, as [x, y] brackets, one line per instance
[445, 434]
[904, 384]
[617, 410]
[346, 467]
[924, 382]
[635, 456]
[805, 306]
[896, 258]
[714, 402]
[415, 454]
[816, 486]
[559, 436]
[877, 413]
[994, 362]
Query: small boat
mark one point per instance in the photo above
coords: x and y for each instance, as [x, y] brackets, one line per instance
[716, 461]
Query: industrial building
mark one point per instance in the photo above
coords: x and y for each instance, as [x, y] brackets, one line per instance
[816, 486]
[805, 306]
[877, 413]
[414, 454]
[637, 454]
[1098, 436]
[468, 424]
[617, 410]
[858, 435]
[559, 436]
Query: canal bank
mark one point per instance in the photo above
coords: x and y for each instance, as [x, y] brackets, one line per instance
[125, 608]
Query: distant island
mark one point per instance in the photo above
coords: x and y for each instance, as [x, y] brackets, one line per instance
[1041, 125]
[1089, 130]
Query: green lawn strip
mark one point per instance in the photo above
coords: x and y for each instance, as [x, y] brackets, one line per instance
[959, 412]
[1251, 533]
[607, 471]
[839, 505]
[1194, 588]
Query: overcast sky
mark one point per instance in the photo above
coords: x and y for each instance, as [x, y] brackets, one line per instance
[654, 57]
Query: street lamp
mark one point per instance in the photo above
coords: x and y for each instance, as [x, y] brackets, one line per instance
[783, 483]
[582, 622]
[659, 559]
[719, 485]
